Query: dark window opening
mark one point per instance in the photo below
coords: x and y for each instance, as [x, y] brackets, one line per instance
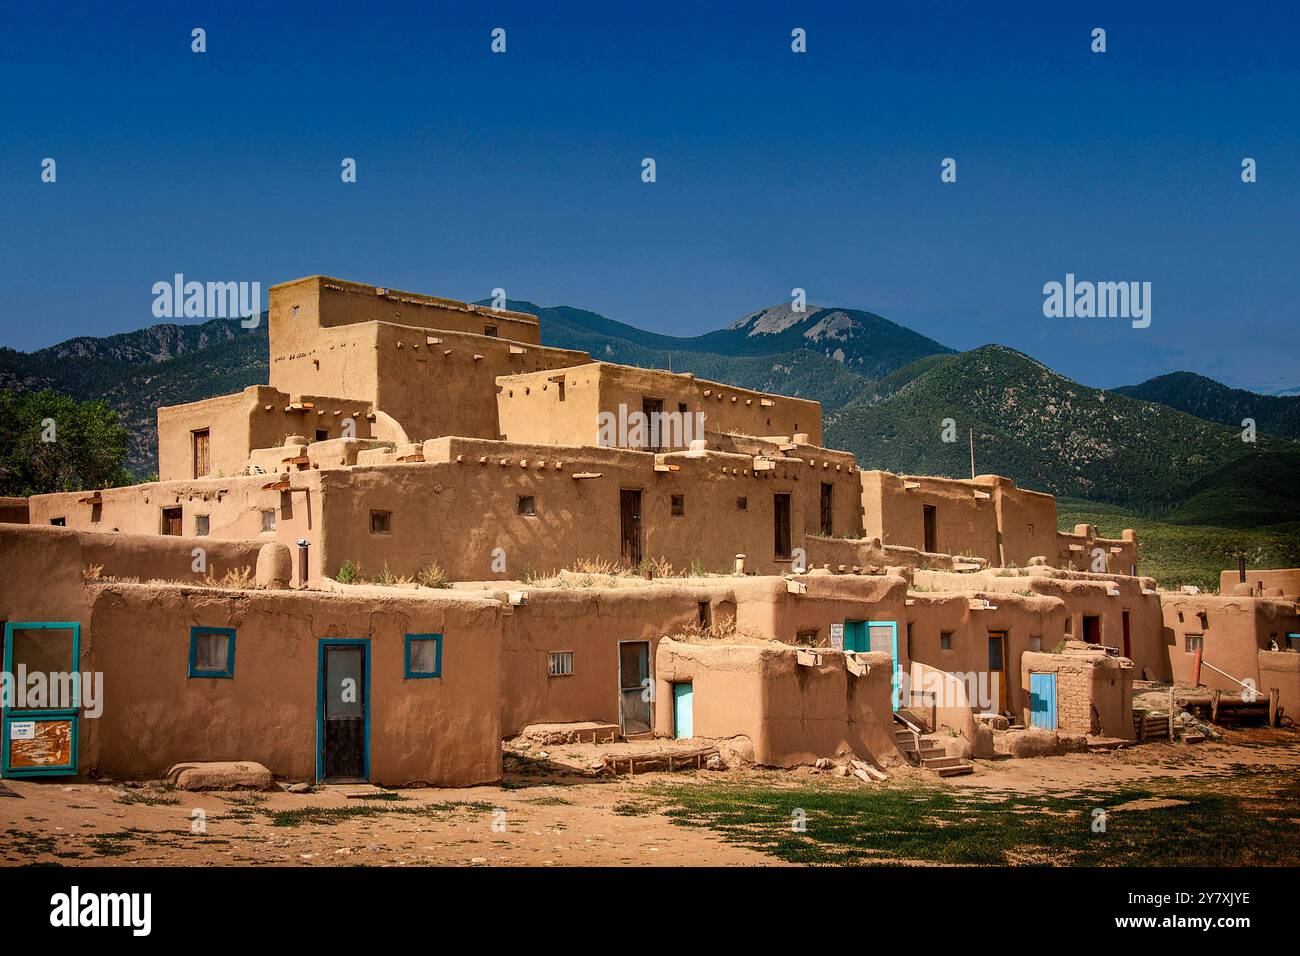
[781, 526]
[742, 503]
[653, 408]
[202, 523]
[59, 522]
[679, 506]
[526, 505]
[381, 522]
[1092, 629]
[490, 330]
[706, 614]
[827, 511]
[930, 516]
[945, 640]
[322, 434]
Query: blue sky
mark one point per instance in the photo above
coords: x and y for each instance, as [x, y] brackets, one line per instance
[775, 170]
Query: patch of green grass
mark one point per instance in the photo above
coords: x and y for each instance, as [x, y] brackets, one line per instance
[944, 826]
[111, 844]
[548, 801]
[152, 798]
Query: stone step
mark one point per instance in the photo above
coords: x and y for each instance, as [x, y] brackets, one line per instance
[931, 753]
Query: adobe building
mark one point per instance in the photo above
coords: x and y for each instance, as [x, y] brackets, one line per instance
[428, 532]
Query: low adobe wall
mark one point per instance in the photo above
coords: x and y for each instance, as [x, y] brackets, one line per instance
[791, 713]
[166, 557]
[443, 731]
[13, 511]
[1280, 582]
[1281, 669]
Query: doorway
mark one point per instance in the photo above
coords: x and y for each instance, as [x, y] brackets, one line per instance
[827, 509]
[882, 637]
[683, 711]
[998, 666]
[653, 409]
[930, 517]
[343, 711]
[40, 736]
[202, 452]
[629, 514]
[781, 526]
[1042, 701]
[1092, 628]
[633, 683]
[1128, 639]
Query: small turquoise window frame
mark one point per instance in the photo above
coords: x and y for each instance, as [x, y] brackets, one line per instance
[437, 658]
[229, 671]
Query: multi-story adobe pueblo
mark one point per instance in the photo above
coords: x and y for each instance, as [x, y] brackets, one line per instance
[428, 532]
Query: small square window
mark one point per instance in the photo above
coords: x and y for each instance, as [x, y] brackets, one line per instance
[201, 525]
[1193, 643]
[559, 664]
[490, 330]
[423, 655]
[679, 506]
[59, 522]
[268, 520]
[381, 522]
[945, 640]
[322, 434]
[526, 505]
[212, 652]
[742, 503]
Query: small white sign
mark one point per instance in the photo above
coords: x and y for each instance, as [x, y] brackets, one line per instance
[22, 730]
[837, 636]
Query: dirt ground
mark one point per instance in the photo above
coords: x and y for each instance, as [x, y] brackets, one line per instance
[541, 816]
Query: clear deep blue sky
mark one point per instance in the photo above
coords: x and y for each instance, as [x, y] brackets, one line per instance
[775, 170]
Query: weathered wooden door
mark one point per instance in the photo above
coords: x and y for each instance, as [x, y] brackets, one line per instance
[630, 526]
[171, 521]
[633, 677]
[827, 512]
[1042, 701]
[781, 526]
[202, 453]
[343, 729]
[653, 409]
[998, 666]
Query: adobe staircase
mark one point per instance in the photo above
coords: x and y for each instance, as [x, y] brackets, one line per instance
[922, 750]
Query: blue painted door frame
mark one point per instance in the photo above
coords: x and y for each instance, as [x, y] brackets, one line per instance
[13, 715]
[683, 711]
[857, 637]
[364, 644]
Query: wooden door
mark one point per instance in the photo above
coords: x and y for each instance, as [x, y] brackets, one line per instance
[630, 526]
[931, 518]
[998, 666]
[683, 711]
[171, 521]
[633, 673]
[202, 453]
[653, 409]
[1128, 642]
[827, 511]
[781, 526]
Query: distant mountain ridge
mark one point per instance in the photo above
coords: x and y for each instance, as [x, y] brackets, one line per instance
[1208, 399]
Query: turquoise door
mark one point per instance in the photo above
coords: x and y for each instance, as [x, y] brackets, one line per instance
[40, 733]
[683, 711]
[882, 636]
[1042, 701]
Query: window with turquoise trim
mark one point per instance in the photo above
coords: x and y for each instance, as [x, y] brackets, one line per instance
[212, 652]
[423, 655]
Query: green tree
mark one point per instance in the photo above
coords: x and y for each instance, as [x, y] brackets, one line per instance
[52, 442]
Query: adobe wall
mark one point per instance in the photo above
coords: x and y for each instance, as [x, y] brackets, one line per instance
[1094, 692]
[1078, 550]
[42, 579]
[893, 508]
[13, 511]
[325, 302]
[439, 507]
[234, 508]
[1274, 582]
[257, 417]
[1281, 669]
[443, 731]
[550, 407]
[1026, 521]
[1234, 631]
[591, 623]
[791, 713]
